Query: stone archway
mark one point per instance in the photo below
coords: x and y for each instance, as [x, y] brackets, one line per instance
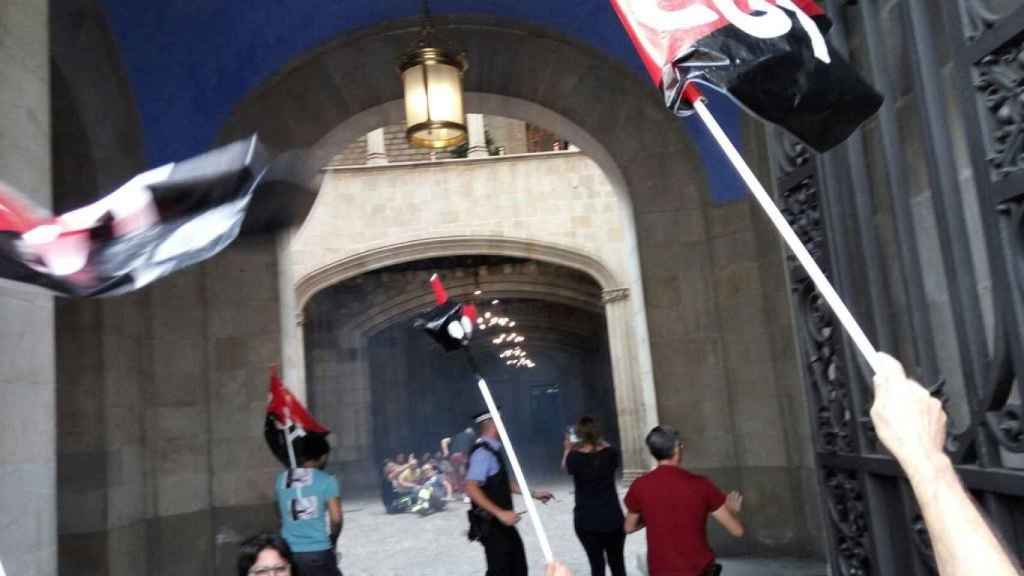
[533, 74]
[635, 411]
[712, 274]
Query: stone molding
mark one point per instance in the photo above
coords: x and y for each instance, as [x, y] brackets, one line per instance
[614, 295]
[377, 258]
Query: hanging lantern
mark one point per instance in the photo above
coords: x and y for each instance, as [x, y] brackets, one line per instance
[432, 79]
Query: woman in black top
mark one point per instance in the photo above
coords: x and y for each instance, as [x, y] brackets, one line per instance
[598, 518]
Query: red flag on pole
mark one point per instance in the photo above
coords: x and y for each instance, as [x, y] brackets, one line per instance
[288, 418]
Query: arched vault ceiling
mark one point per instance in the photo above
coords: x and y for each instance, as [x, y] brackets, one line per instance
[192, 64]
[221, 49]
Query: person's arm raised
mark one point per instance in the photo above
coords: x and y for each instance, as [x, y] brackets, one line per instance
[727, 514]
[912, 425]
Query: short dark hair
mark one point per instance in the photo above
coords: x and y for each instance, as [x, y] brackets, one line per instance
[589, 430]
[662, 441]
[313, 447]
[249, 550]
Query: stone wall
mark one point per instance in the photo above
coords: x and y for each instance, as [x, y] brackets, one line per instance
[560, 198]
[163, 463]
[724, 361]
[28, 515]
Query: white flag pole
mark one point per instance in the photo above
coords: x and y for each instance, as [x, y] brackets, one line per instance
[289, 437]
[531, 507]
[857, 335]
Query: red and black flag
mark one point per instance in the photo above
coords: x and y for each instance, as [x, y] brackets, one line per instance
[287, 417]
[158, 222]
[769, 55]
[449, 323]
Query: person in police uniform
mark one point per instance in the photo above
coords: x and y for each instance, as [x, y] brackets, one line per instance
[493, 519]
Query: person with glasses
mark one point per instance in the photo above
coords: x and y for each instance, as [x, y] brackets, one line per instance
[265, 554]
[673, 505]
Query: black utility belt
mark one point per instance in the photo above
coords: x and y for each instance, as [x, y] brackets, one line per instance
[481, 523]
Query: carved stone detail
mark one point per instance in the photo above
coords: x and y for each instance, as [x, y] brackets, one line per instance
[614, 295]
[792, 153]
[999, 81]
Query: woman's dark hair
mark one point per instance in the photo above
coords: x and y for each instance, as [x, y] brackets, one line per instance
[662, 441]
[589, 430]
[251, 548]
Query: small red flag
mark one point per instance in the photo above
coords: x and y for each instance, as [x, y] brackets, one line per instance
[282, 404]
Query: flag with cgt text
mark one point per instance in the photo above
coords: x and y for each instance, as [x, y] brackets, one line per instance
[771, 56]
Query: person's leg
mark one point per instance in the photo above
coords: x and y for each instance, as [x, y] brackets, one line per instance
[517, 554]
[496, 550]
[593, 545]
[614, 547]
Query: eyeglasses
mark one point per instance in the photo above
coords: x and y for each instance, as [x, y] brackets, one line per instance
[281, 570]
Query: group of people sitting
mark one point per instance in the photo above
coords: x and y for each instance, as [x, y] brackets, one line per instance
[419, 485]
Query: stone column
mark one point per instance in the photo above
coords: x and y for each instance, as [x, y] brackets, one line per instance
[477, 136]
[28, 498]
[376, 151]
[293, 354]
[634, 422]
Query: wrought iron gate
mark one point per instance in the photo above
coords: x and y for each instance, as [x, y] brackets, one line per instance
[919, 219]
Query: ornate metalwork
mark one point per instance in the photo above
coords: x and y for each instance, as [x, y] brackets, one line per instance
[999, 81]
[831, 398]
[821, 338]
[986, 39]
[847, 512]
[793, 153]
[800, 205]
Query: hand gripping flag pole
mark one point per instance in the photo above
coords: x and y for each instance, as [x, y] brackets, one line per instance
[451, 325]
[693, 95]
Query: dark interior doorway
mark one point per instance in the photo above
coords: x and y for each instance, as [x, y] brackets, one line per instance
[420, 394]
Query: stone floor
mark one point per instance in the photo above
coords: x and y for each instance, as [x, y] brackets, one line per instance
[376, 544]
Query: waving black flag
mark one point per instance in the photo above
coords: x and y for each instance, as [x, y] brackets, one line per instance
[769, 55]
[158, 222]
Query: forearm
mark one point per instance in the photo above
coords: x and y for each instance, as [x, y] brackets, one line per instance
[634, 523]
[960, 537]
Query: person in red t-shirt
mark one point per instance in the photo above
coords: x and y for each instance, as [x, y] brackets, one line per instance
[674, 506]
